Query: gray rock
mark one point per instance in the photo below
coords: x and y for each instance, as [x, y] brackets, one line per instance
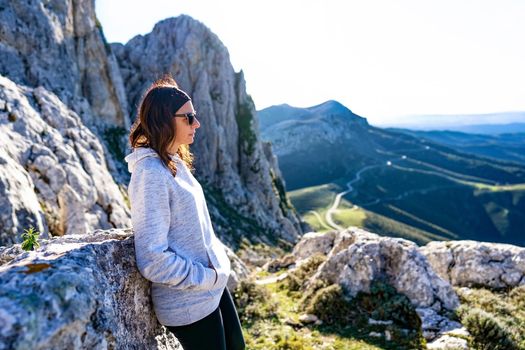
[362, 257]
[447, 342]
[308, 318]
[78, 292]
[60, 45]
[314, 243]
[434, 324]
[81, 292]
[56, 177]
[355, 258]
[474, 264]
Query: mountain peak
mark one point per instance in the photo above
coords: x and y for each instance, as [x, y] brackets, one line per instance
[330, 106]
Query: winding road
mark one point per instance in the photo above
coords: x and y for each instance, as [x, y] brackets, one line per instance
[329, 223]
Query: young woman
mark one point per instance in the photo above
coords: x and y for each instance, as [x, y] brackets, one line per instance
[175, 245]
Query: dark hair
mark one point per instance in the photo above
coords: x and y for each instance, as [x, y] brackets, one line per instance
[154, 127]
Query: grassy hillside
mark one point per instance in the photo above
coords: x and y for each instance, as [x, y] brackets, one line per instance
[401, 184]
[312, 204]
[396, 202]
[423, 191]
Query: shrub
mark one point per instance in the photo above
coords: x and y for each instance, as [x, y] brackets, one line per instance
[297, 278]
[330, 305]
[385, 303]
[253, 302]
[506, 307]
[486, 330]
[517, 297]
[304, 302]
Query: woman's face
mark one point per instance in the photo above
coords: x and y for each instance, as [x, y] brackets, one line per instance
[185, 133]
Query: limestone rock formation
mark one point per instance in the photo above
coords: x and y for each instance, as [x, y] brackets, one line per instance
[245, 193]
[55, 176]
[60, 45]
[472, 263]
[356, 257]
[424, 274]
[81, 292]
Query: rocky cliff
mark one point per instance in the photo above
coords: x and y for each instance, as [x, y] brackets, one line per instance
[61, 91]
[229, 156]
[60, 74]
[54, 175]
[60, 45]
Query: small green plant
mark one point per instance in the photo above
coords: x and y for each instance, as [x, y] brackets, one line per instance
[298, 277]
[30, 239]
[254, 302]
[116, 141]
[487, 331]
[330, 305]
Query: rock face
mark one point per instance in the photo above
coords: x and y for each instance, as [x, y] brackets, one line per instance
[424, 274]
[472, 264]
[356, 257]
[60, 45]
[81, 292]
[60, 74]
[229, 157]
[54, 175]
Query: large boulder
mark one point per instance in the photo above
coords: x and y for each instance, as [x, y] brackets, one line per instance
[81, 292]
[54, 174]
[356, 258]
[477, 264]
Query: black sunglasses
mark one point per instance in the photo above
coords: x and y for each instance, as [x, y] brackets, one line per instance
[191, 117]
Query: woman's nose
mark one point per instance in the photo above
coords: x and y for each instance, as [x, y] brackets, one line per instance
[196, 124]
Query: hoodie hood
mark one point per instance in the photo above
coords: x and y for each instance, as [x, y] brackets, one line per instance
[137, 155]
[143, 152]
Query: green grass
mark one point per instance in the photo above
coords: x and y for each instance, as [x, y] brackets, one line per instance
[348, 215]
[420, 207]
[313, 198]
[270, 317]
[320, 198]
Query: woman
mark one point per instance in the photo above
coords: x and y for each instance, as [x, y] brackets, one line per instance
[175, 245]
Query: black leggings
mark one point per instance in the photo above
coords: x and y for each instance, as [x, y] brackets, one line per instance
[220, 330]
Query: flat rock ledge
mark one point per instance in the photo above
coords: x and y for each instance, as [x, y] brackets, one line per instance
[79, 292]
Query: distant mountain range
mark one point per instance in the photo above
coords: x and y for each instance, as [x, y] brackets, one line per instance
[402, 184]
[490, 123]
[510, 146]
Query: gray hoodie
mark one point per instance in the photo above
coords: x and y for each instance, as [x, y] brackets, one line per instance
[174, 239]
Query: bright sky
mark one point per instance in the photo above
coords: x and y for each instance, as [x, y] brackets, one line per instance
[380, 58]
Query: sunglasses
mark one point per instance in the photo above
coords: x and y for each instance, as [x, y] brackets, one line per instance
[191, 117]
